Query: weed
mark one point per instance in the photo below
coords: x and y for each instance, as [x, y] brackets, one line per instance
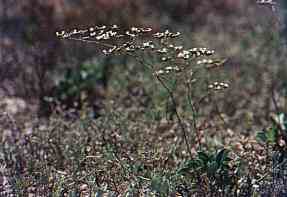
[171, 65]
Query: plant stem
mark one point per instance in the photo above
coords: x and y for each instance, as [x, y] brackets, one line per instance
[179, 120]
[194, 115]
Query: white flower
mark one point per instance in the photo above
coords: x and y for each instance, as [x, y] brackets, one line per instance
[163, 50]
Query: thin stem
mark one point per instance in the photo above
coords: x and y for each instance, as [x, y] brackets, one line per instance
[91, 41]
[194, 114]
[274, 99]
[184, 133]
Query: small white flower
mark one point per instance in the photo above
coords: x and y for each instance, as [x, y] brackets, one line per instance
[114, 27]
[178, 48]
[159, 72]
[130, 34]
[163, 59]
[180, 55]
[158, 35]
[92, 33]
[60, 34]
[210, 61]
[175, 34]
[163, 50]
[146, 29]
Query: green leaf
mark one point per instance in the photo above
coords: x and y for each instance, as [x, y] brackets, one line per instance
[155, 182]
[221, 156]
[212, 168]
[189, 165]
[283, 121]
[203, 157]
[160, 185]
[271, 134]
[261, 136]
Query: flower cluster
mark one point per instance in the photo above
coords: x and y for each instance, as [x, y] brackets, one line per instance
[160, 45]
[166, 34]
[102, 33]
[218, 85]
[168, 70]
[126, 40]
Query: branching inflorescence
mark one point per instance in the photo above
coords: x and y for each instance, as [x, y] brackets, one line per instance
[167, 60]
